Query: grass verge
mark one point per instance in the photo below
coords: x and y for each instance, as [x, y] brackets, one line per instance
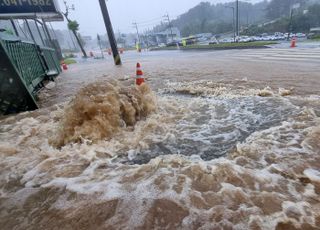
[240, 45]
[69, 61]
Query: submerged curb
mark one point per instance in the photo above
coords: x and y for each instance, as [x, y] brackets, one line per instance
[213, 47]
[227, 48]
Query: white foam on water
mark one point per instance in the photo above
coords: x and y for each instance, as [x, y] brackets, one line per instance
[312, 174]
[268, 178]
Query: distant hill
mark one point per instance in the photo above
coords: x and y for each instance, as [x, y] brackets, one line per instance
[304, 18]
[217, 18]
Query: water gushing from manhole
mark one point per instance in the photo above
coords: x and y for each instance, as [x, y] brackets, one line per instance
[212, 127]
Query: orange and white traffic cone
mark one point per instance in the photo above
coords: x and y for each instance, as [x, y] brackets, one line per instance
[64, 66]
[293, 42]
[139, 76]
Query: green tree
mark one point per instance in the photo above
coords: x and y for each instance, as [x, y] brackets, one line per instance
[216, 18]
[314, 14]
[73, 25]
[301, 22]
[281, 8]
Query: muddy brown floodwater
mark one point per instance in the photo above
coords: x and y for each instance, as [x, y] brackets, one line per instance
[214, 140]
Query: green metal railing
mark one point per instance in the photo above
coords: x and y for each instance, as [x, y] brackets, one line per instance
[25, 58]
[23, 68]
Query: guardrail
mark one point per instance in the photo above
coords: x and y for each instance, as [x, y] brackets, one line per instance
[23, 68]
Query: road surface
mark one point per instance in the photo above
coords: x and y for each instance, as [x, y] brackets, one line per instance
[287, 68]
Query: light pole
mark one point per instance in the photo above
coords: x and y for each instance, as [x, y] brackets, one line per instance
[237, 18]
[99, 43]
[112, 40]
[233, 27]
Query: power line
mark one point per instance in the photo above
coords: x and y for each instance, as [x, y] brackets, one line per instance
[154, 20]
[148, 25]
[149, 21]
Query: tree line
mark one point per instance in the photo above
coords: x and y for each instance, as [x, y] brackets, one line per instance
[303, 19]
[218, 18]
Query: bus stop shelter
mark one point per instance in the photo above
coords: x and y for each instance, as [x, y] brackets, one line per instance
[28, 54]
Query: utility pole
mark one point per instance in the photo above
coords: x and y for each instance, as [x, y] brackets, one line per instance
[290, 24]
[237, 18]
[136, 27]
[99, 42]
[146, 38]
[247, 16]
[168, 19]
[233, 24]
[66, 15]
[112, 39]
[74, 44]
[292, 8]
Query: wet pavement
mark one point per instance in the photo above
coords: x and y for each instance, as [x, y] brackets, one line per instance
[298, 68]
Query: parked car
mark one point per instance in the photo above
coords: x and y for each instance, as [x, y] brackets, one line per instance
[172, 44]
[213, 41]
[245, 39]
[300, 35]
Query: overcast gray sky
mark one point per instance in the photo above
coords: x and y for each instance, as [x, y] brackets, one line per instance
[124, 12]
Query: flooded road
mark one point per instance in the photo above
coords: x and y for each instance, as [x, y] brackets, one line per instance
[220, 140]
[284, 68]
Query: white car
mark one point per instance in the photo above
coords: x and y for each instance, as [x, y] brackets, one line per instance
[226, 40]
[244, 39]
[301, 35]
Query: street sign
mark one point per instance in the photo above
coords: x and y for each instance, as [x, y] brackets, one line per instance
[27, 6]
[30, 9]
